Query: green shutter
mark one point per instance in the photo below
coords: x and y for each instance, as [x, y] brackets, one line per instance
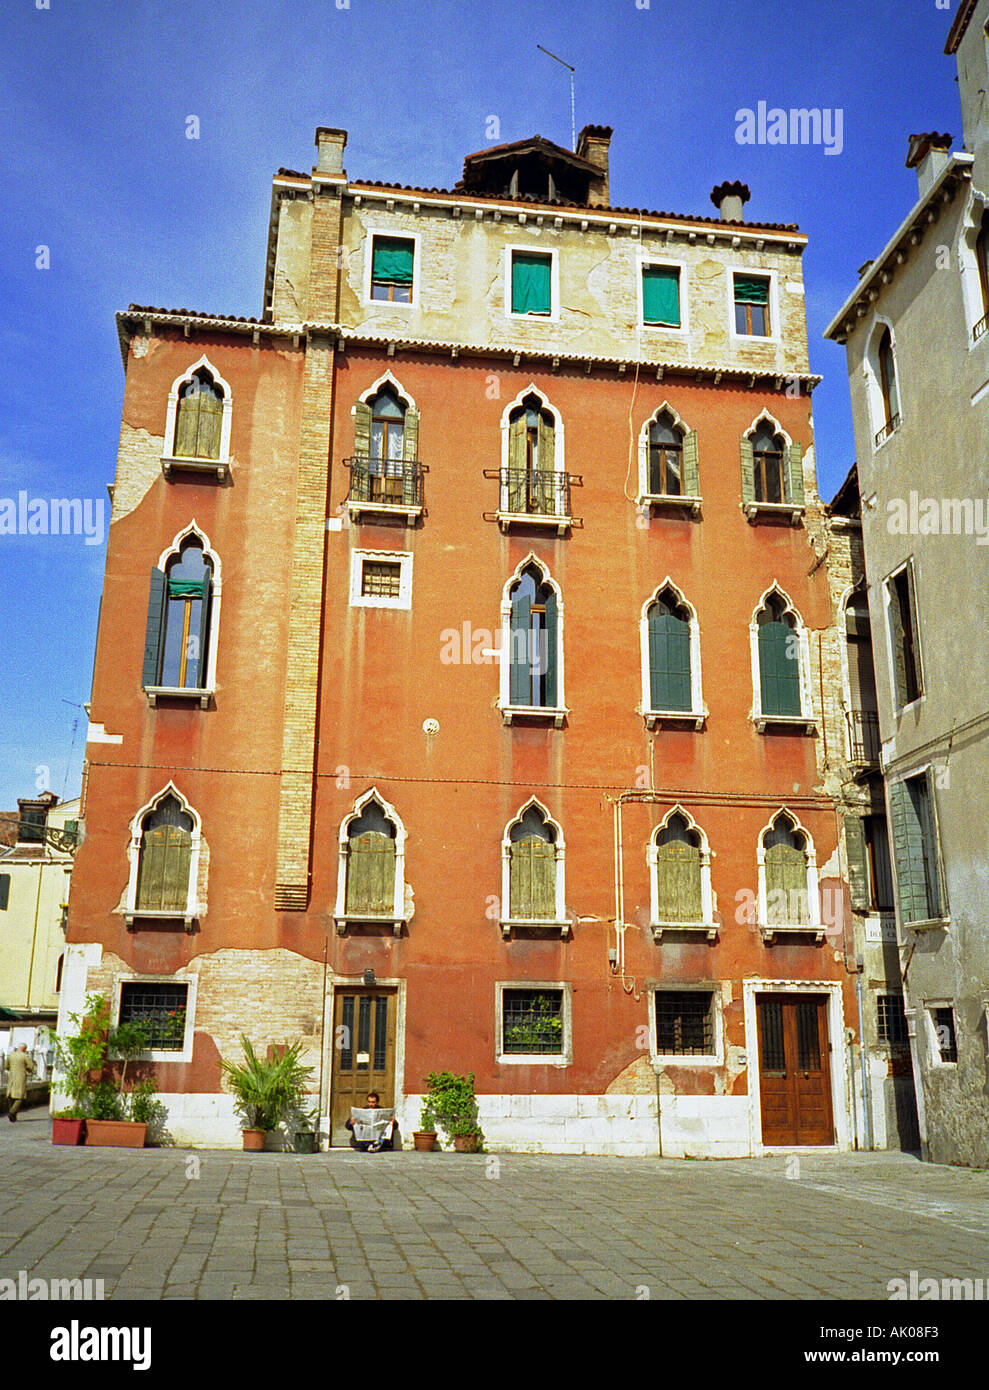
[516, 442]
[749, 290]
[908, 854]
[532, 880]
[362, 430]
[546, 453]
[210, 426]
[748, 471]
[393, 260]
[691, 469]
[661, 295]
[678, 866]
[371, 875]
[552, 648]
[858, 864]
[779, 673]
[187, 426]
[519, 686]
[410, 437]
[531, 284]
[786, 870]
[4, 891]
[154, 634]
[669, 662]
[202, 637]
[175, 869]
[794, 475]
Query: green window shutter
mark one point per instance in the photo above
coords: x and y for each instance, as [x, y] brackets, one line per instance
[531, 283]
[362, 430]
[532, 881]
[795, 475]
[779, 673]
[4, 891]
[750, 290]
[858, 864]
[669, 662]
[691, 470]
[552, 649]
[393, 260]
[786, 870]
[516, 443]
[678, 866]
[154, 634]
[187, 426]
[519, 687]
[175, 869]
[370, 874]
[908, 854]
[410, 438]
[210, 426]
[748, 471]
[661, 295]
[547, 446]
[201, 653]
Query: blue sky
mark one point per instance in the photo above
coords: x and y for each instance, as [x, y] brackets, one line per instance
[99, 170]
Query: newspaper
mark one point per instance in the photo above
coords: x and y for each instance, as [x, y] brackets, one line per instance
[372, 1125]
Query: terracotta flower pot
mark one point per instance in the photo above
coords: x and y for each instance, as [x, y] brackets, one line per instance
[67, 1131]
[465, 1143]
[254, 1140]
[115, 1134]
[424, 1140]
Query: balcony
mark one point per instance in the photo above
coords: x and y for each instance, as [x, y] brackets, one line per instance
[980, 329]
[890, 427]
[381, 488]
[863, 739]
[532, 497]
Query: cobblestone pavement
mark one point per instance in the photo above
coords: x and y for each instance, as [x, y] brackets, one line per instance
[413, 1226]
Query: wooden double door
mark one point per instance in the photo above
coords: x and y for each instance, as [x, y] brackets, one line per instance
[794, 1069]
[364, 1023]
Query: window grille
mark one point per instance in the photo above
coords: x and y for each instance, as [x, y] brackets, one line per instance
[684, 1023]
[380, 580]
[532, 1022]
[892, 1020]
[162, 1010]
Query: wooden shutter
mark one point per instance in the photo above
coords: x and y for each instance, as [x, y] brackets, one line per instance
[779, 673]
[163, 869]
[551, 683]
[187, 426]
[794, 479]
[858, 864]
[410, 441]
[669, 662]
[371, 875]
[915, 631]
[4, 891]
[678, 866]
[898, 640]
[546, 461]
[532, 880]
[786, 869]
[748, 471]
[691, 470]
[516, 442]
[202, 637]
[362, 430]
[938, 897]
[519, 682]
[908, 854]
[210, 426]
[154, 634]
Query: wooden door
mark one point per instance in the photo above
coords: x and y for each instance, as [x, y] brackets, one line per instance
[794, 1069]
[363, 1053]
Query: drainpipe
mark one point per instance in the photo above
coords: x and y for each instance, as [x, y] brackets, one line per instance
[851, 1085]
[866, 1098]
[322, 1049]
[659, 1108]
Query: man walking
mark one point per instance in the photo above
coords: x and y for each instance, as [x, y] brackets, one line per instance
[19, 1068]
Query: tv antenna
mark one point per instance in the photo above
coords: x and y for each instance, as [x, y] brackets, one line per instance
[573, 123]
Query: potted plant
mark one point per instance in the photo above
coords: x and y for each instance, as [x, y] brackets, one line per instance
[452, 1101]
[424, 1138]
[68, 1126]
[305, 1137]
[101, 1103]
[266, 1090]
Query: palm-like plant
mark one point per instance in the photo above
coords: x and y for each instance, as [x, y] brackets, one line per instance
[267, 1089]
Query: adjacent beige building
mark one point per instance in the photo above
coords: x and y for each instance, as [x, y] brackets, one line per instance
[35, 867]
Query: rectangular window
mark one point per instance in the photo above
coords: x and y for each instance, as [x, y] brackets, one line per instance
[381, 580]
[916, 849]
[4, 891]
[943, 1023]
[684, 1023]
[892, 1021]
[903, 634]
[880, 871]
[532, 1022]
[661, 295]
[160, 1008]
[532, 283]
[392, 267]
[751, 306]
[31, 830]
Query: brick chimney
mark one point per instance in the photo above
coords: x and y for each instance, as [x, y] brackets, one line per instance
[730, 199]
[593, 144]
[330, 145]
[929, 154]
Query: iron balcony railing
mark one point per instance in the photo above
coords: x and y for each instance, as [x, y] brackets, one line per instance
[385, 482]
[863, 736]
[532, 492]
[980, 328]
[890, 427]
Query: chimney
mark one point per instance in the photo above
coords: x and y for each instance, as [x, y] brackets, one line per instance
[593, 143]
[730, 199]
[929, 154]
[330, 144]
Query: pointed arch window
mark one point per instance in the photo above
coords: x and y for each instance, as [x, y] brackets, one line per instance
[668, 467]
[533, 872]
[665, 457]
[669, 654]
[199, 417]
[680, 869]
[779, 664]
[385, 472]
[165, 858]
[534, 642]
[371, 864]
[982, 260]
[531, 485]
[772, 472]
[177, 638]
[888, 384]
[789, 900]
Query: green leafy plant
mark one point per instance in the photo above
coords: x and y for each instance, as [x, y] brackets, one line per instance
[88, 1061]
[267, 1090]
[145, 1107]
[427, 1120]
[540, 1031]
[452, 1103]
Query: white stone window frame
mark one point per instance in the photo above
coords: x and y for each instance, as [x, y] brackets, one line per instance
[815, 926]
[200, 693]
[545, 404]
[931, 1027]
[387, 379]
[399, 913]
[698, 711]
[968, 266]
[403, 600]
[645, 498]
[707, 923]
[645, 260]
[555, 713]
[554, 272]
[806, 719]
[561, 922]
[679, 1059]
[194, 909]
[909, 566]
[756, 273]
[564, 1058]
[392, 234]
[872, 377]
[850, 591]
[168, 458]
[927, 773]
[795, 510]
[180, 977]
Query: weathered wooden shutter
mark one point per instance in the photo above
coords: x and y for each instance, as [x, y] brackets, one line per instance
[551, 683]
[362, 430]
[187, 426]
[163, 869]
[908, 854]
[410, 446]
[210, 426]
[519, 686]
[858, 864]
[691, 469]
[794, 480]
[748, 471]
[898, 641]
[786, 870]
[532, 880]
[371, 874]
[546, 459]
[202, 637]
[669, 662]
[516, 442]
[779, 672]
[154, 634]
[937, 895]
[678, 866]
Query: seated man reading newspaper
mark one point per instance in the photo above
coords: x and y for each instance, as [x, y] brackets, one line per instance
[373, 1128]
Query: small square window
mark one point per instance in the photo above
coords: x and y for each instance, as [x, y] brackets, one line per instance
[661, 295]
[892, 1021]
[392, 269]
[945, 1040]
[684, 1023]
[751, 306]
[161, 1009]
[381, 579]
[532, 283]
[532, 1022]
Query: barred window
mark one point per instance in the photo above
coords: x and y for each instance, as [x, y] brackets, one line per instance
[162, 1010]
[532, 1022]
[381, 579]
[892, 1020]
[684, 1023]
